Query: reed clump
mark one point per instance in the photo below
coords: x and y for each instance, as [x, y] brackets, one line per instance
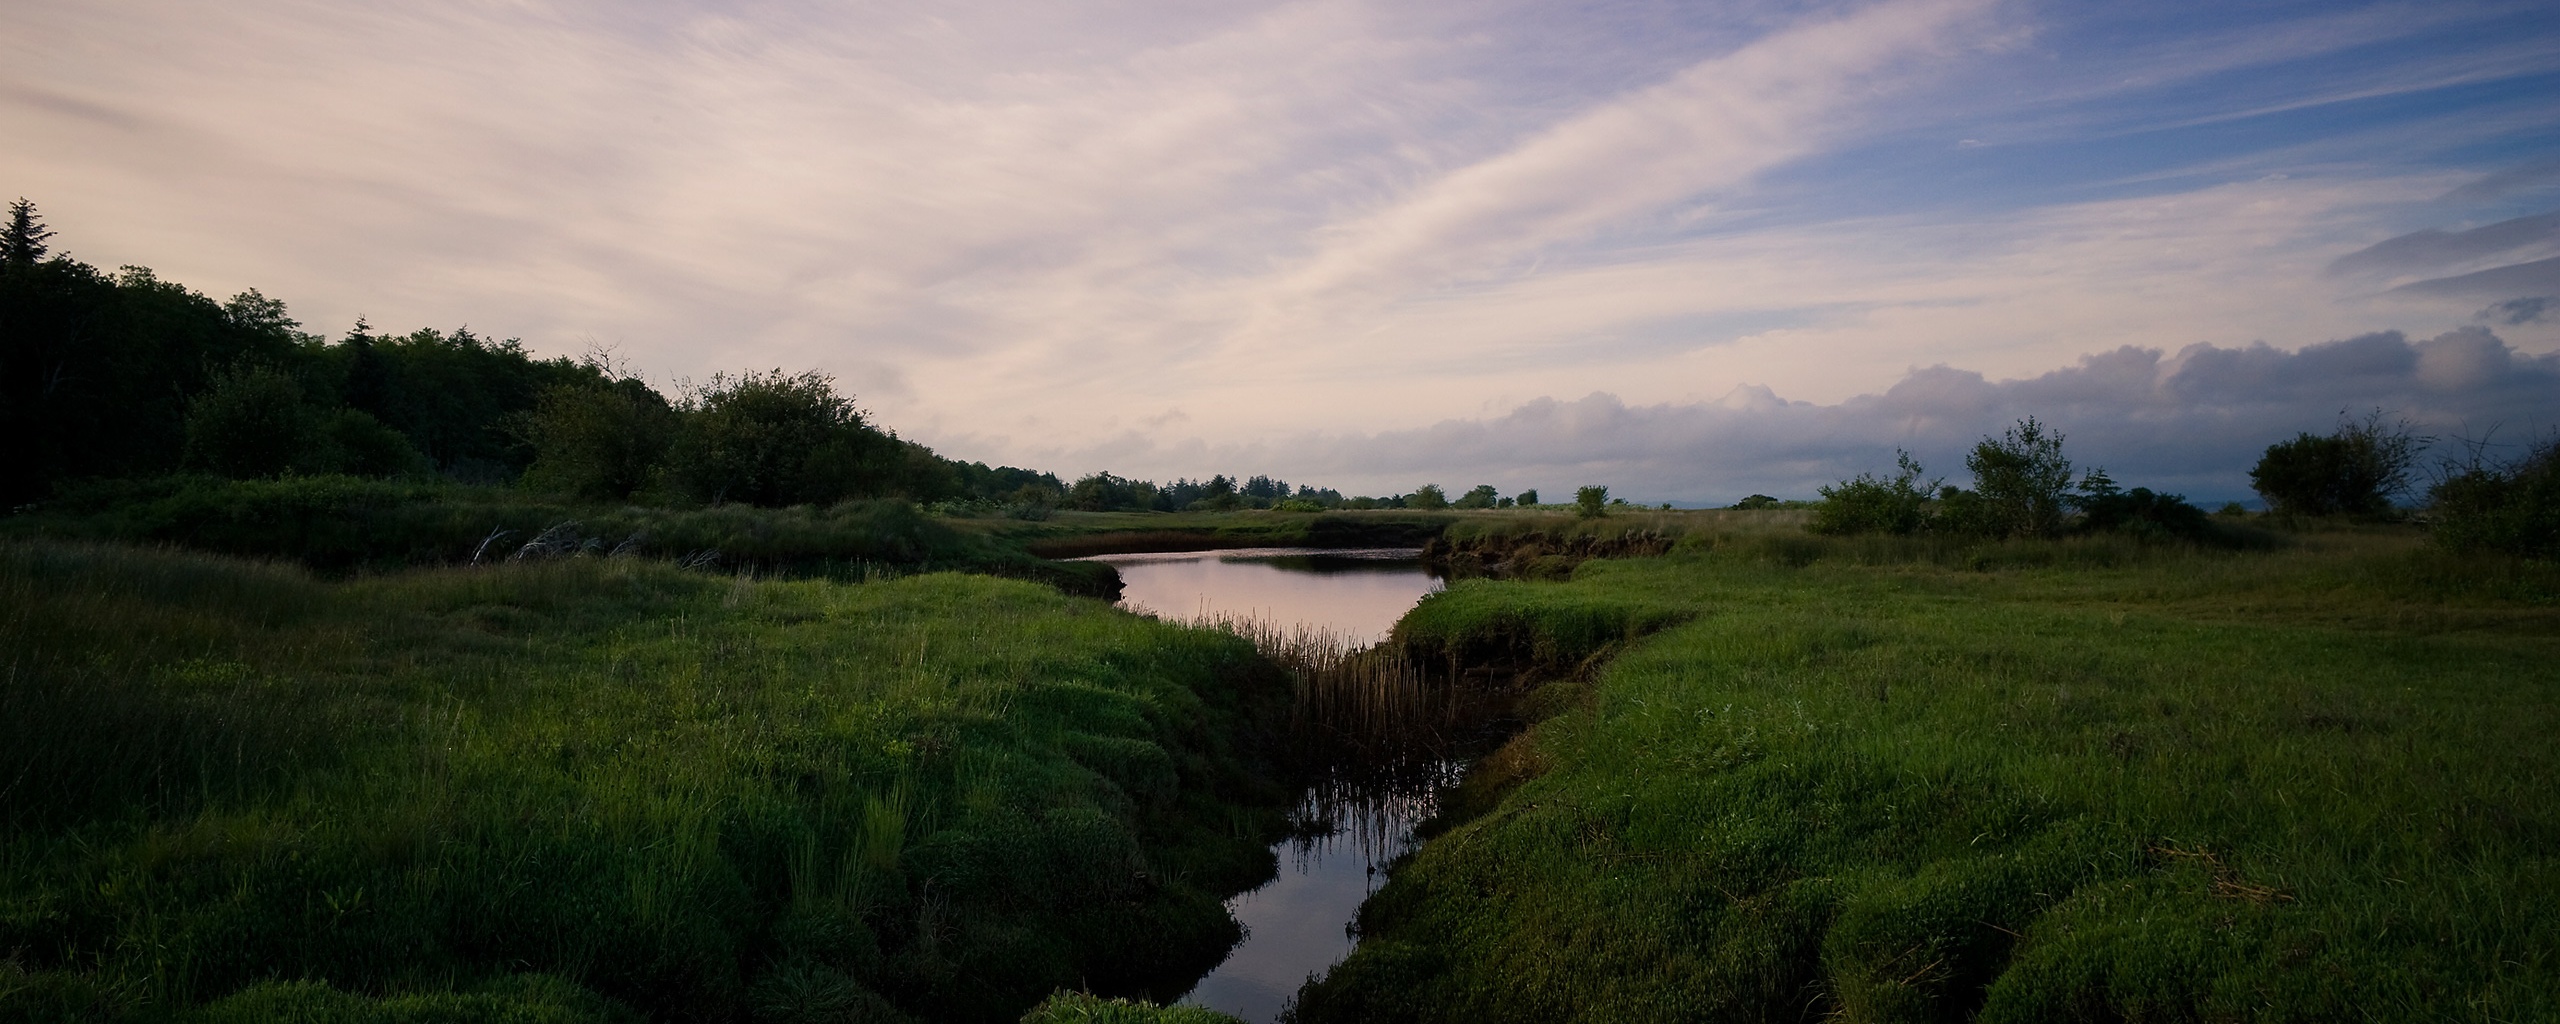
[1368, 701]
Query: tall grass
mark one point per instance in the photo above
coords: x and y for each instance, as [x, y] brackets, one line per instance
[341, 525]
[592, 788]
[2027, 781]
[1352, 700]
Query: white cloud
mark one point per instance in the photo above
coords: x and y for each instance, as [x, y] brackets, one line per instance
[2192, 422]
[1031, 234]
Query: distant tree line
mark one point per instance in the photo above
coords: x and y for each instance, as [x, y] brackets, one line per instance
[119, 375]
[2023, 487]
[1106, 492]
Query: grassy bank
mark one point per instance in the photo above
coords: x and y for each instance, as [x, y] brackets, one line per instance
[340, 525]
[1915, 780]
[1076, 534]
[596, 789]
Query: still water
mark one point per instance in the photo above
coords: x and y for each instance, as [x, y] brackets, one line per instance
[1299, 924]
[1356, 593]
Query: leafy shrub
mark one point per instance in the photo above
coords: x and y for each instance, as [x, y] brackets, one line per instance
[1869, 504]
[774, 439]
[1481, 496]
[2106, 508]
[2513, 508]
[2356, 470]
[251, 423]
[1591, 502]
[1104, 492]
[1528, 497]
[356, 444]
[1428, 497]
[601, 441]
[2022, 478]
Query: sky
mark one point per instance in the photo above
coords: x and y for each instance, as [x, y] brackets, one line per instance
[1689, 250]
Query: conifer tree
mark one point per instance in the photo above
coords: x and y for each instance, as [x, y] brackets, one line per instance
[23, 243]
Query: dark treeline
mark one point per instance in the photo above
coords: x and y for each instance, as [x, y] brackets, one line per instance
[1104, 492]
[122, 375]
[2360, 471]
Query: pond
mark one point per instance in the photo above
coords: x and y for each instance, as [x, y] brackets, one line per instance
[1299, 924]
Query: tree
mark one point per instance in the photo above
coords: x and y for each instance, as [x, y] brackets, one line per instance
[602, 441]
[252, 423]
[1867, 503]
[2022, 480]
[776, 439]
[1428, 497]
[2513, 508]
[1591, 502]
[23, 244]
[2356, 470]
[1482, 496]
[2106, 508]
[1528, 497]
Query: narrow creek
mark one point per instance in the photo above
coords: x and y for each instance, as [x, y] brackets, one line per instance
[1354, 821]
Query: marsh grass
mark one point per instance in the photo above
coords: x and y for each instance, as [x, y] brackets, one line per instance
[594, 788]
[2080, 779]
[1353, 701]
[340, 526]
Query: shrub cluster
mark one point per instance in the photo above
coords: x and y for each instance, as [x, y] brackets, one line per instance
[2355, 470]
[2022, 488]
[2512, 508]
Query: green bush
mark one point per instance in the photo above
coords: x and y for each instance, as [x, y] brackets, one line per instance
[1429, 498]
[774, 439]
[2356, 470]
[252, 422]
[2105, 508]
[2513, 509]
[1591, 502]
[599, 441]
[1869, 504]
[2022, 480]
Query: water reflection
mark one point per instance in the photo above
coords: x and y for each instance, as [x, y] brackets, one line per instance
[1357, 593]
[1300, 923]
[1351, 823]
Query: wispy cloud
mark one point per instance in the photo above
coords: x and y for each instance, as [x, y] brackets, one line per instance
[1137, 234]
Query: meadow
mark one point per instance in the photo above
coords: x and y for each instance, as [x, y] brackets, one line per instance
[595, 788]
[1790, 777]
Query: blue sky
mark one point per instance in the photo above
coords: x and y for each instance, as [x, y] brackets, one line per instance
[1689, 250]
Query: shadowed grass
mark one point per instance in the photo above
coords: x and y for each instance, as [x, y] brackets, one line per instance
[1892, 780]
[671, 794]
[342, 525]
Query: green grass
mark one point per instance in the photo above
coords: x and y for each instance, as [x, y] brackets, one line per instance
[341, 525]
[1074, 534]
[1077, 1008]
[1884, 779]
[594, 789]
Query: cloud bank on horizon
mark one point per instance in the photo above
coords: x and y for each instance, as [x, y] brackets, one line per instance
[1376, 243]
[2191, 422]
